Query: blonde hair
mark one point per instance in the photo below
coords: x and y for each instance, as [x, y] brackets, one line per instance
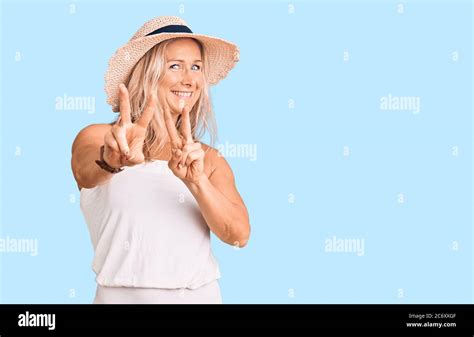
[144, 79]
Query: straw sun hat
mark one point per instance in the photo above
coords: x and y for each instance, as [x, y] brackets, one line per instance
[221, 55]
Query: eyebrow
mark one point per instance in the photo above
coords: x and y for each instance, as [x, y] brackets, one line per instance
[184, 61]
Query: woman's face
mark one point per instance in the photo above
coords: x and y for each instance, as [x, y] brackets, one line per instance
[183, 78]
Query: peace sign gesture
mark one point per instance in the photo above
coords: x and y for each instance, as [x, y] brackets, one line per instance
[124, 141]
[187, 161]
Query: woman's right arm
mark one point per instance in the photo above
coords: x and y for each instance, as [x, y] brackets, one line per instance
[123, 143]
[85, 151]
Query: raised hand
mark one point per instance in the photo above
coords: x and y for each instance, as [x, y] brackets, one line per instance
[187, 161]
[124, 141]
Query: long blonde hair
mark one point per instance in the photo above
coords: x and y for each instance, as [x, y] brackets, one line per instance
[144, 79]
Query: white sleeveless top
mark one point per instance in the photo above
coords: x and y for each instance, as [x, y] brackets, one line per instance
[147, 231]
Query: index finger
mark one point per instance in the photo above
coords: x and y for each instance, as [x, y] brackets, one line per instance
[186, 125]
[124, 104]
[170, 126]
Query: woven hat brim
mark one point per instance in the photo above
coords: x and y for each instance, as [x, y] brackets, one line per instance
[221, 56]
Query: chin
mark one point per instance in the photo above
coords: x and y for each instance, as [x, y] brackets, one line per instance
[177, 110]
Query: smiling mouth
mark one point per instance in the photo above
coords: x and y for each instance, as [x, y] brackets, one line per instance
[183, 94]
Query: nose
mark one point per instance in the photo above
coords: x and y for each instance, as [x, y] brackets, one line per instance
[187, 79]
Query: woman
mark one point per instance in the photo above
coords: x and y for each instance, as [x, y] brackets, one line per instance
[150, 192]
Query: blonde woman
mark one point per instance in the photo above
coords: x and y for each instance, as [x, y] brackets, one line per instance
[150, 191]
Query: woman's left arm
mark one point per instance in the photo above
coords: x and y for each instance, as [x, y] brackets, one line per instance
[217, 196]
[221, 204]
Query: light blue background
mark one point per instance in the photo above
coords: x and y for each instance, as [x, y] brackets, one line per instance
[410, 254]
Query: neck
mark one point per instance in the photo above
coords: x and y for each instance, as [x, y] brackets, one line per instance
[163, 154]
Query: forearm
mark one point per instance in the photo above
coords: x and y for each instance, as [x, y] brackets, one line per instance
[87, 173]
[225, 219]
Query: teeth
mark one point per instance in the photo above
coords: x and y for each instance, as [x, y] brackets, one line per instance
[182, 94]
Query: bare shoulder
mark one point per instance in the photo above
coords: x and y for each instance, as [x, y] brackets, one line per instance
[215, 161]
[222, 177]
[89, 136]
[209, 150]
[211, 153]
[95, 128]
[91, 133]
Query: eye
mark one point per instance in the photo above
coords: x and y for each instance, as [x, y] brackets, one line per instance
[196, 67]
[174, 65]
